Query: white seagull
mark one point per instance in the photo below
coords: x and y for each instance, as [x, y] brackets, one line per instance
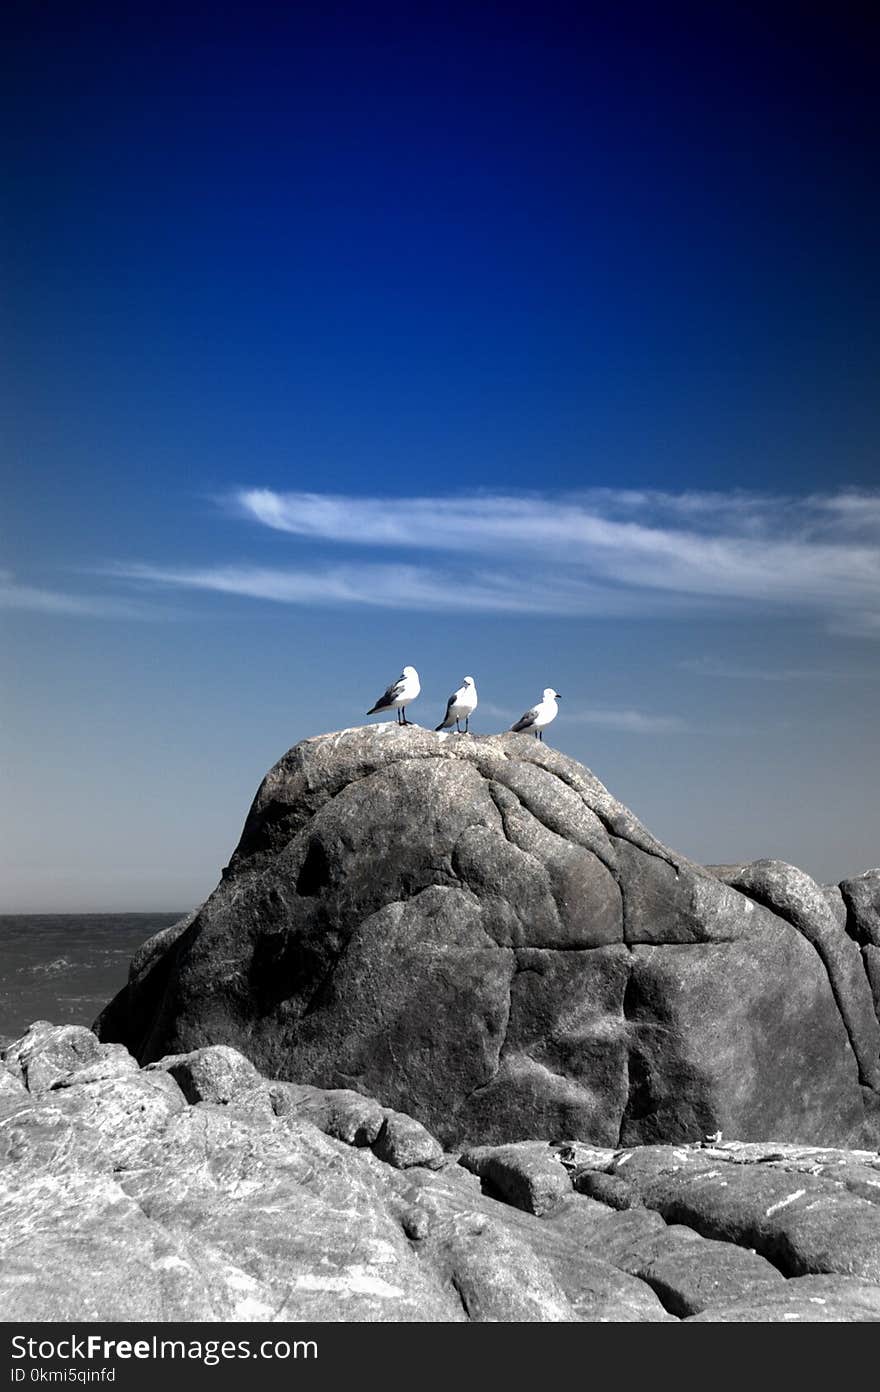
[539, 717]
[460, 706]
[399, 695]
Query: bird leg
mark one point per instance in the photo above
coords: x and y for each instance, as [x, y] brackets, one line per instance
[457, 726]
[398, 715]
[405, 721]
[467, 721]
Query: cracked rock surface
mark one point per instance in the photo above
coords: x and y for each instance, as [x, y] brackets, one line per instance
[199, 1190]
[476, 933]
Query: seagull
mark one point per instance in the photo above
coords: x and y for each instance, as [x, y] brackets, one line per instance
[539, 717]
[399, 695]
[460, 706]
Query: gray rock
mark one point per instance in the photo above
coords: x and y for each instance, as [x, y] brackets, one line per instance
[586, 901]
[528, 1175]
[728, 872]
[106, 1127]
[114, 1061]
[792, 894]
[217, 1074]
[12, 1092]
[563, 1067]
[634, 1247]
[596, 1290]
[869, 1132]
[805, 1225]
[641, 1164]
[608, 1189]
[131, 1013]
[121, 1201]
[858, 1171]
[345, 1115]
[308, 1220]
[692, 1273]
[689, 1073]
[82, 1250]
[476, 933]
[224, 1217]
[572, 1227]
[670, 902]
[47, 1053]
[581, 1155]
[602, 1294]
[41, 1138]
[155, 947]
[495, 1272]
[416, 1012]
[805, 1208]
[861, 896]
[403, 1141]
[123, 1114]
[871, 960]
[836, 903]
[802, 1300]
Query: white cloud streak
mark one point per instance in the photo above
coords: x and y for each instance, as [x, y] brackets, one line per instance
[400, 587]
[819, 552]
[726, 670]
[633, 722]
[599, 553]
[35, 600]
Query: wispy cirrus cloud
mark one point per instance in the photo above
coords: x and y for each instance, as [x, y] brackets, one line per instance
[602, 552]
[817, 551]
[398, 587]
[727, 670]
[634, 722]
[856, 509]
[36, 600]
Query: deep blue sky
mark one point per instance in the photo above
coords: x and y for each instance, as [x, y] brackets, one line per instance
[395, 254]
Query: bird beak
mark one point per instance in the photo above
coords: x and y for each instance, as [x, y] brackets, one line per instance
[558, 697]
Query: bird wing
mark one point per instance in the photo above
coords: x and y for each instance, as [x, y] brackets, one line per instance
[395, 689]
[390, 694]
[447, 719]
[526, 720]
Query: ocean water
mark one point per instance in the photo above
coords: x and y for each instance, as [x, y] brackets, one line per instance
[65, 967]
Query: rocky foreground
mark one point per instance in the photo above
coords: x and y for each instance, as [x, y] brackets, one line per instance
[196, 1189]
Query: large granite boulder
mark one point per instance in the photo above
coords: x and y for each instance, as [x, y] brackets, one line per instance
[475, 932]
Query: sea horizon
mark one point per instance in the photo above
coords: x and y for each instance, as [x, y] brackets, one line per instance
[89, 913]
